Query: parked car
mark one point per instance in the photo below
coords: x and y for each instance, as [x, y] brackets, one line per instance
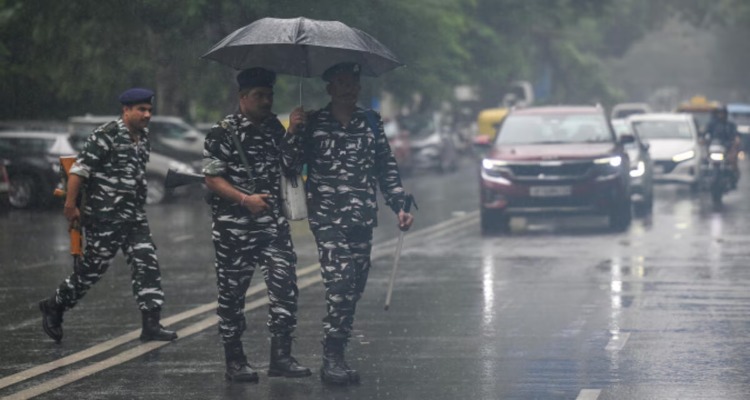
[641, 168]
[432, 146]
[33, 165]
[624, 110]
[4, 186]
[156, 173]
[178, 147]
[170, 136]
[400, 144]
[674, 144]
[555, 160]
[739, 113]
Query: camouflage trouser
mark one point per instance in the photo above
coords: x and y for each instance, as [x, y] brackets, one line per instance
[102, 242]
[344, 264]
[238, 252]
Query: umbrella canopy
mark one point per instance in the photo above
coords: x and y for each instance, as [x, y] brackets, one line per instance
[302, 47]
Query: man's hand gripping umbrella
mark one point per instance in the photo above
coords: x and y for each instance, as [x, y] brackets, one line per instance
[404, 227]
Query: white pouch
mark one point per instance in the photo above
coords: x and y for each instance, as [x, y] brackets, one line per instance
[293, 198]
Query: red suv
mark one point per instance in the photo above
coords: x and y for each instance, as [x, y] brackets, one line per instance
[555, 160]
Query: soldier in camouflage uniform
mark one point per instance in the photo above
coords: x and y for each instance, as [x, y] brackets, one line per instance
[249, 230]
[347, 155]
[112, 169]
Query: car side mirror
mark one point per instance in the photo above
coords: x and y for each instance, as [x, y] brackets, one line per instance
[627, 139]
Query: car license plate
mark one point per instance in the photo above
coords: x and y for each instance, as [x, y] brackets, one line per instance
[550, 191]
[4, 187]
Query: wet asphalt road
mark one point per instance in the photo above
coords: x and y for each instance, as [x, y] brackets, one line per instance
[559, 309]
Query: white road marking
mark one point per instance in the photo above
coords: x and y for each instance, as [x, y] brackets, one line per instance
[618, 342]
[589, 394]
[182, 238]
[380, 250]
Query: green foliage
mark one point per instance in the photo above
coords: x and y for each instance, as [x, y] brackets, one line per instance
[64, 58]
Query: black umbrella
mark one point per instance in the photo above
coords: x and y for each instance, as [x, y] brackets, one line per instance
[302, 47]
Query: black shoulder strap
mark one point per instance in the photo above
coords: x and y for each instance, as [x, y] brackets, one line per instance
[372, 122]
[233, 133]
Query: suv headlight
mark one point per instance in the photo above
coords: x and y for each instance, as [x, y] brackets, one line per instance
[684, 156]
[613, 161]
[607, 167]
[495, 168]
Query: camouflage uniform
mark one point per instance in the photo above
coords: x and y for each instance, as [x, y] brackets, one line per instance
[113, 215]
[345, 164]
[244, 241]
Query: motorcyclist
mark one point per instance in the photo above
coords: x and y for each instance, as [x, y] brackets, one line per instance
[723, 130]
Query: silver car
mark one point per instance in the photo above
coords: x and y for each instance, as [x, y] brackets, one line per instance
[674, 145]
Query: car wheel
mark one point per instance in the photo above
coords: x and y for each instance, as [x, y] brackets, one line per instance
[644, 207]
[22, 191]
[156, 192]
[494, 222]
[621, 216]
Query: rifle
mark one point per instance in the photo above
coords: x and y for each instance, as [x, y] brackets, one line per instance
[76, 239]
[175, 178]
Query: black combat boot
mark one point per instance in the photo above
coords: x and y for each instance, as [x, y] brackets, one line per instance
[52, 318]
[282, 363]
[152, 330]
[238, 369]
[335, 370]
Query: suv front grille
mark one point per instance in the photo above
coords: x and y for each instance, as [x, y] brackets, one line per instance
[570, 170]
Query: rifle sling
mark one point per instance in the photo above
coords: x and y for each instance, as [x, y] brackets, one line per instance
[241, 152]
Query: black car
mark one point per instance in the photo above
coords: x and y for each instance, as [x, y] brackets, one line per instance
[33, 165]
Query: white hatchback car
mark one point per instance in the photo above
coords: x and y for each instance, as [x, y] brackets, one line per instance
[674, 144]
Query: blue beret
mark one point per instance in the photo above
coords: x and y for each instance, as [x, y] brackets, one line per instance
[136, 96]
[254, 77]
[348, 67]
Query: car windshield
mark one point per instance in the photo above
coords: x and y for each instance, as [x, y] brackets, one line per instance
[621, 127]
[740, 118]
[554, 128]
[662, 129]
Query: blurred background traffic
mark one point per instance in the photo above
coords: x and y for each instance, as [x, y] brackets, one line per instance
[469, 65]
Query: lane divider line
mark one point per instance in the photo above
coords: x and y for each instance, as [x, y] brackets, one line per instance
[182, 238]
[379, 251]
[133, 353]
[618, 342]
[589, 394]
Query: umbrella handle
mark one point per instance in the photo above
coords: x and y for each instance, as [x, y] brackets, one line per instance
[300, 91]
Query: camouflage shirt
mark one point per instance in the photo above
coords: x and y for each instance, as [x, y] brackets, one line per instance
[115, 170]
[261, 146]
[344, 167]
